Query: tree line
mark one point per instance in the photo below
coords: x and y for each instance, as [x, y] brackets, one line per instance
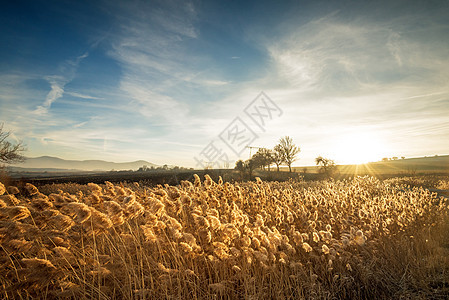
[284, 153]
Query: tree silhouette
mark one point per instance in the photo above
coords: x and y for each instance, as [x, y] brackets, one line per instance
[278, 157]
[10, 153]
[288, 150]
[250, 165]
[327, 166]
[240, 166]
[263, 158]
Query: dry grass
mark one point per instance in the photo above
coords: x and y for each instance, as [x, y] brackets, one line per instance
[357, 239]
[430, 181]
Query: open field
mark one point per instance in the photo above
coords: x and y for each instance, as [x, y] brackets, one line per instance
[353, 239]
[409, 166]
[172, 177]
[436, 165]
[412, 166]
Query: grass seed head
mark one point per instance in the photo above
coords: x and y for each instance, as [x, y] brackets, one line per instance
[98, 221]
[197, 181]
[41, 204]
[31, 189]
[12, 190]
[19, 246]
[10, 200]
[316, 237]
[149, 233]
[2, 189]
[79, 211]
[15, 213]
[236, 269]
[61, 222]
[95, 188]
[359, 238]
[306, 247]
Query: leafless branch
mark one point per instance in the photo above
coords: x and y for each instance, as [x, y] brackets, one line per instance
[10, 153]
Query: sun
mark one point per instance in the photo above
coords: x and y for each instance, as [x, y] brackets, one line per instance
[358, 148]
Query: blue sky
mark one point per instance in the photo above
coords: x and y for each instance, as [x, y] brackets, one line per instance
[160, 80]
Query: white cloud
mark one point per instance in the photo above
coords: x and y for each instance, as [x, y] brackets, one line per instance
[56, 92]
[58, 82]
[329, 55]
[394, 47]
[83, 96]
[159, 72]
[329, 76]
[212, 82]
[80, 124]
[153, 104]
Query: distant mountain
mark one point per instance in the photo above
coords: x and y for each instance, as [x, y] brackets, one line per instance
[48, 162]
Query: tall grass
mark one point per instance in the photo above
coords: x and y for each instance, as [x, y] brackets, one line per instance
[354, 239]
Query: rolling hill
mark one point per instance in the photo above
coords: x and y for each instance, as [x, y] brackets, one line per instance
[51, 163]
[408, 166]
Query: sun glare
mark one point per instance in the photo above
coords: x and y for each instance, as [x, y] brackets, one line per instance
[359, 148]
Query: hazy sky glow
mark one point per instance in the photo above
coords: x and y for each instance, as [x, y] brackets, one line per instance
[129, 80]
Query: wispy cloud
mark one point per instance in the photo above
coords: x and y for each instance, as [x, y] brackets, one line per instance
[211, 82]
[393, 45]
[80, 124]
[58, 82]
[83, 96]
[329, 55]
[56, 92]
[160, 72]
[159, 86]
[334, 74]
[153, 104]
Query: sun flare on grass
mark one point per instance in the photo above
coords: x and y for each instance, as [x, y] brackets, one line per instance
[359, 148]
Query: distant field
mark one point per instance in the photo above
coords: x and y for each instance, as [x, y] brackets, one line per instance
[154, 177]
[411, 166]
[381, 170]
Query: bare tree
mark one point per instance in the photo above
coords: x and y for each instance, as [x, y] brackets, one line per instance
[278, 157]
[288, 150]
[263, 158]
[327, 166]
[250, 165]
[10, 153]
[240, 166]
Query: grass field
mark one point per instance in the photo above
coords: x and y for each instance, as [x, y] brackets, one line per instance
[408, 166]
[355, 239]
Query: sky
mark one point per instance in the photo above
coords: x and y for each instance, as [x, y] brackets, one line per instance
[180, 82]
